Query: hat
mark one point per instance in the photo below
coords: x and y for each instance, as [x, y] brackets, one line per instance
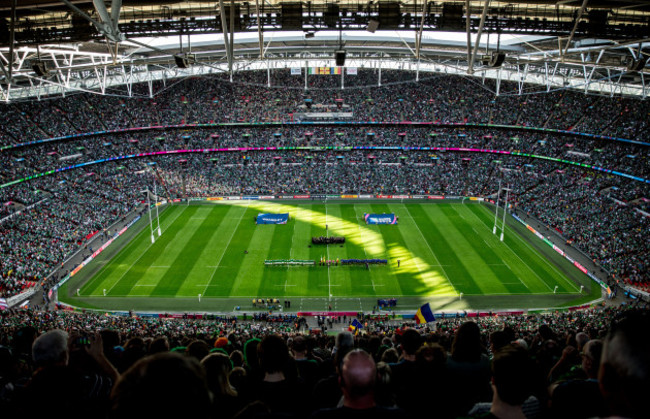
[221, 342]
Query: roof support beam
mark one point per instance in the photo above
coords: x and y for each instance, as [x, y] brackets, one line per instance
[470, 68]
[419, 32]
[468, 29]
[260, 34]
[593, 69]
[12, 38]
[224, 29]
[4, 96]
[105, 76]
[5, 71]
[232, 32]
[406, 44]
[575, 26]
[108, 29]
[613, 45]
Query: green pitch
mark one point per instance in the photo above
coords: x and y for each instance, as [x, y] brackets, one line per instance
[217, 251]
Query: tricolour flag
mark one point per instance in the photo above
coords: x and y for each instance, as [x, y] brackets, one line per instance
[355, 326]
[3, 304]
[424, 314]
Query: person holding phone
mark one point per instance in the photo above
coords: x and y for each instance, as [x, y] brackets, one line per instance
[63, 378]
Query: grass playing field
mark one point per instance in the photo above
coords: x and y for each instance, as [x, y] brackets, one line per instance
[218, 251]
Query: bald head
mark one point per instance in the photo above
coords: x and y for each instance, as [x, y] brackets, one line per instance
[591, 353]
[581, 339]
[358, 374]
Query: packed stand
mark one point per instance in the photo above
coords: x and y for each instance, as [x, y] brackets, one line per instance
[579, 364]
[435, 97]
[74, 207]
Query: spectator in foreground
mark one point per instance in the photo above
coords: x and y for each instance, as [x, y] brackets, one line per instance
[511, 384]
[217, 367]
[410, 379]
[280, 389]
[327, 391]
[308, 368]
[357, 380]
[624, 375]
[581, 398]
[468, 368]
[72, 374]
[164, 385]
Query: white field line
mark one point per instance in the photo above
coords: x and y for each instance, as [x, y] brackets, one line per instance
[286, 277]
[562, 276]
[327, 233]
[143, 253]
[105, 263]
[225, 249]
[356, 215]
[495, 264]
[355, 297]
[515, 253]
[516, 276]
[431, 250]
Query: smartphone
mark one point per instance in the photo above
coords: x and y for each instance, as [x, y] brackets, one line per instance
[82, 341]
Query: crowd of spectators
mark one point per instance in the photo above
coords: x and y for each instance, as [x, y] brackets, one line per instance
[52, 223]
[578, 364]
[50, 217]
[623, 157]
[435, 97]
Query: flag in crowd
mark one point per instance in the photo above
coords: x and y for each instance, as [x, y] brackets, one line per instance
[424, 314]
[355, 326]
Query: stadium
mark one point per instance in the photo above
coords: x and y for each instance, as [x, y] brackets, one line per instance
[320, 208]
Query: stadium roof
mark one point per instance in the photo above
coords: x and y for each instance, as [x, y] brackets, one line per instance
[54, 47]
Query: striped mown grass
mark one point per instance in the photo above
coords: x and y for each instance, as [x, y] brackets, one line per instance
[218, 251]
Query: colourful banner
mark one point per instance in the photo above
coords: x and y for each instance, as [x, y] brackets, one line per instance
[272, 218]
[324, 70]
[566, 256]
[380, 218]
[245, 149]
[327, 313]
[96, 252]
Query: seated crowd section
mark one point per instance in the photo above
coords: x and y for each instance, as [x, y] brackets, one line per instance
[47, 218]
[577, 364]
